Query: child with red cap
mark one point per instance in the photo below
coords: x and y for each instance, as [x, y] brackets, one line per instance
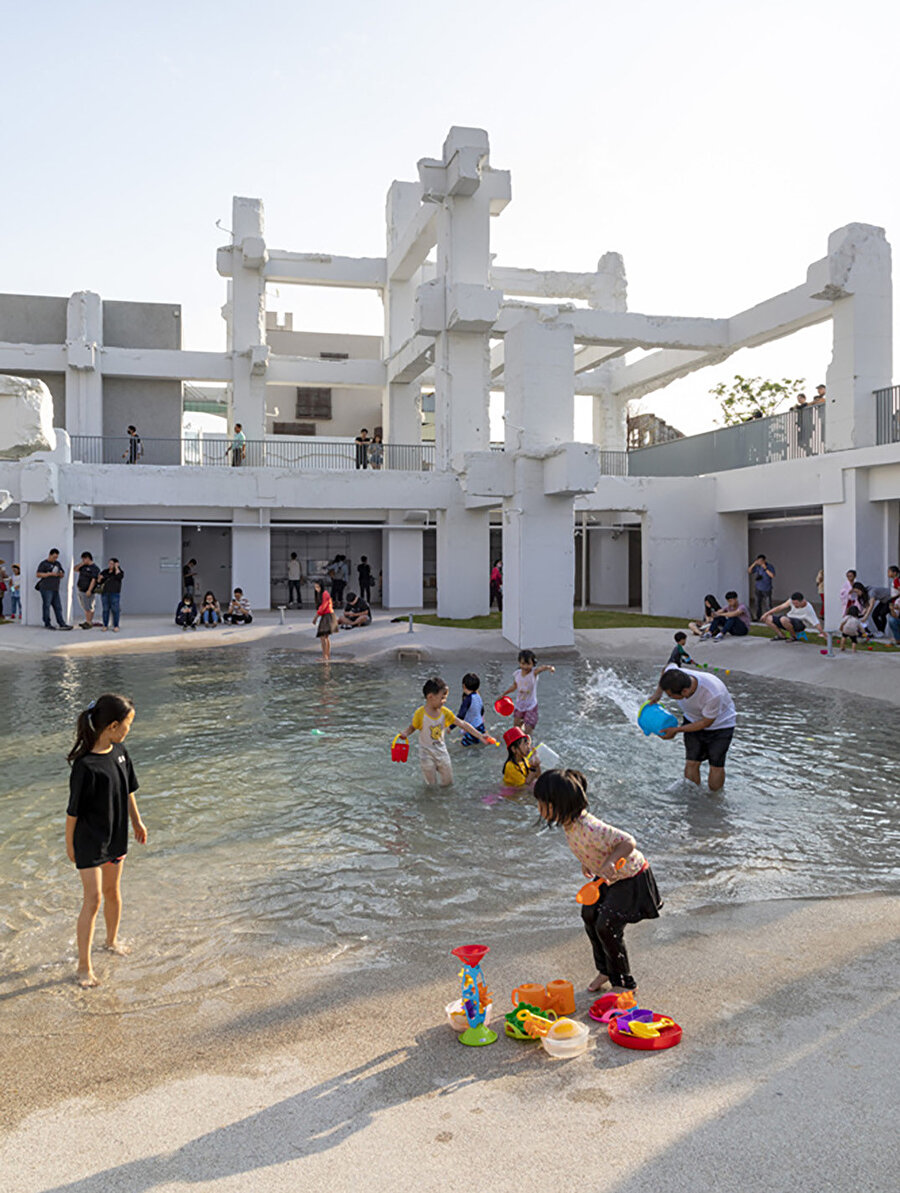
[518, 770]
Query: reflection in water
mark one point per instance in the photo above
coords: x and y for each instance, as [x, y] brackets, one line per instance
[267, 835]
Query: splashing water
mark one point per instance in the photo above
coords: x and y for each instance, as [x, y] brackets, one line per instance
[606, 684]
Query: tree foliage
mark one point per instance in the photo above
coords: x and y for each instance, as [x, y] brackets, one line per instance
[754, 397]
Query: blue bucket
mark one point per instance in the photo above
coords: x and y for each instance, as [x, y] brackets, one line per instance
[653, 718]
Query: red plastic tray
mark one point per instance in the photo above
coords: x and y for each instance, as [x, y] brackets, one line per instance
[667, 1038]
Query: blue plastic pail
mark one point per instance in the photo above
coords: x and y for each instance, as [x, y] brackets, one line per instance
[653, 718]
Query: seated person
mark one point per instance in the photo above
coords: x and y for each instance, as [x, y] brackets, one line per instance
[795, 616]
[710, 605]
[238, 612]
[210, 611]
[851, 628]
[894, 621]
[733, 618]
[356, 612]
[186, 613]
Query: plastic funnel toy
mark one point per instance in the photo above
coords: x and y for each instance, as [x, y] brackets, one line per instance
[504, 707]
[471, 954]
[590, 892]
[653, 718]
[399, 749]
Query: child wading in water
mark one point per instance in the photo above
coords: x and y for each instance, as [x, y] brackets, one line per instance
[102, 784]
[518, 770]
[432, 720]
[629, 893]
[524, 685]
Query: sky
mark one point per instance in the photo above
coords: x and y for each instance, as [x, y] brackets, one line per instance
[715, 146]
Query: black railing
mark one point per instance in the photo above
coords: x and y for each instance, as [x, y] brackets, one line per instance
[887, 414]
[202, 451]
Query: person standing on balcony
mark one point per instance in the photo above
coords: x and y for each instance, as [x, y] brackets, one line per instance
[376, 451]
[763, 574]
[135, 447]
[295, 579]
[820, 395]
[237, 447]
[362, 448]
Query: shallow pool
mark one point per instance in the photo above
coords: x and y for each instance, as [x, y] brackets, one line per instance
[265, 836]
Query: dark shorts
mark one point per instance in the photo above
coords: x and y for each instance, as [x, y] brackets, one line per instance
[708, 745]
[799, 626]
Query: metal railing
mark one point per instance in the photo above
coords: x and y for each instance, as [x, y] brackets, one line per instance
[793, 435]
[887, 414]
[204, 451]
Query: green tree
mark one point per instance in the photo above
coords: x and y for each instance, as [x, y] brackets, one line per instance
[754, 397]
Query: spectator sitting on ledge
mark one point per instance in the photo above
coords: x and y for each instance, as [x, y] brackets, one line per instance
[356, 612]
[733, 618]
[796, 616]
[238, 609]
[186, 613]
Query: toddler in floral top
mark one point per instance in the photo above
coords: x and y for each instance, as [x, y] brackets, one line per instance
[629, 892]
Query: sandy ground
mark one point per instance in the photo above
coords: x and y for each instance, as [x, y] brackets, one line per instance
[301, 1074]
[786, 1078]
[870, 674]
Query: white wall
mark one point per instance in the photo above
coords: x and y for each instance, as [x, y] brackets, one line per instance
[148, 587]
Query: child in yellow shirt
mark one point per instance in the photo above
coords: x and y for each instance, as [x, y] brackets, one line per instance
[432, 720]
[518, 770]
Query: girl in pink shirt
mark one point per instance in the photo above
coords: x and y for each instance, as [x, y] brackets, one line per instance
[629, 893]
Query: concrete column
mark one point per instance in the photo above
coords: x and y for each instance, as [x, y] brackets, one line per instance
[84, 379]
[462, 366]
[43, 527]
[400, 417]
[251, 559]
[248, 318]
[608, 413]
[859, 259]
[538, 531]
[853, 536]
[401, 567]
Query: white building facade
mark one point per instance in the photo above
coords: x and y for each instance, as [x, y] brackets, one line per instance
[572, 521]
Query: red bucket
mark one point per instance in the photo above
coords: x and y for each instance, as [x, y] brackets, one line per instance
[399, 750]
[504, 707]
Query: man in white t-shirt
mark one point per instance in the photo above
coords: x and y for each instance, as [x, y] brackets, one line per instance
[709, 721]
[794, 616]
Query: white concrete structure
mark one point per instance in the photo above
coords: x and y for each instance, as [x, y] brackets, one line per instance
[461, 326]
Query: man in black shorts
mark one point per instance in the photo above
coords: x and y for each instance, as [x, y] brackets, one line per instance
[709, 721]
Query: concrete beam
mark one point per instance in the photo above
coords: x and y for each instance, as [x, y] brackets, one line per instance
[413, 244]
[33, 358]
[165, 364]
[338, 374]
[324, 269]
[622, 329]
[411, 360]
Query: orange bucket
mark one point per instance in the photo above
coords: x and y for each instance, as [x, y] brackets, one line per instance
[532, 993]
[399, 750]
[561, 997]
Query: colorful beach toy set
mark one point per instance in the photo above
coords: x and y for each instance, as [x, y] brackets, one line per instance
[541, 1013]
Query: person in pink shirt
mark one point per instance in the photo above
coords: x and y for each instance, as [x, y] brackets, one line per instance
[628, 893]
